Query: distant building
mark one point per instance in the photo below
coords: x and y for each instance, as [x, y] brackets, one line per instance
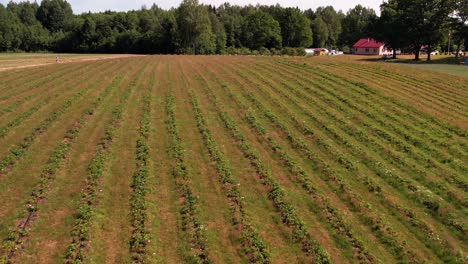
[368, 46]
[316, 51]
[309, 51]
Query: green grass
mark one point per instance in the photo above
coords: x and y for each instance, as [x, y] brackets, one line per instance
[459, 70]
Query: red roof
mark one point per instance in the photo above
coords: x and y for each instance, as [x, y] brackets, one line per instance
[368, 43]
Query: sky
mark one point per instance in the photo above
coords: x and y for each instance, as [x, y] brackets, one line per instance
[80, 6]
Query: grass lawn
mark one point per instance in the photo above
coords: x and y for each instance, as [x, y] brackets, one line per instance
[460, 70]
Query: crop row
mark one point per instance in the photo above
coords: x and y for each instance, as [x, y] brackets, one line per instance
[419, 119]
[422, 197]
[252, 243]
[405, 142]
[364, 100]
[16, 152]
[307, 131]
[325, 170]
[329, 212]
[395, 110]
[190, 220]
[39, 193]
[63, 82]
[38, 81]
[276, 193]
[56, 76]
[443, 94]
[80, 231]
[15, 122]
[138, 203]
[12, 79]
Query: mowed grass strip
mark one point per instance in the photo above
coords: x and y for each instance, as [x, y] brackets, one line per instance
[396, 136]
[407, 91]
[420, 170]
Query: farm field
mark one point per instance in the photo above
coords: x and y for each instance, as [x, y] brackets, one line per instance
[11, 61]
[232, 159]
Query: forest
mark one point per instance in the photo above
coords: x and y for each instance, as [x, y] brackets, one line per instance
[194, 28]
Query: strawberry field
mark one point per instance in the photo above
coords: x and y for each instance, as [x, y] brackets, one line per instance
[232, 159]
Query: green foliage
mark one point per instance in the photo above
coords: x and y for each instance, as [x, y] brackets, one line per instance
[320, 30]
[295, 26]
[138, 205]
[260, 29]
[54, 14]
[332, 20]
[356, 25]
[195, 29]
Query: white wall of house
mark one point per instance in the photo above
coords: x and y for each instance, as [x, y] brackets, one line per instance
[371, 51]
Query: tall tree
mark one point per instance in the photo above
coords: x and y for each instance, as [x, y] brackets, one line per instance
[195, 29]
[260, 29]
[332, 20]
[425, 21]
[55, 14]
[320, 30]
[459, 24]
[355, 24]
[389, 27]
[219, 32]
[231, 18]
[295, 27]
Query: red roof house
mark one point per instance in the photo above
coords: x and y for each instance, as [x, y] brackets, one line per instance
[368, 46]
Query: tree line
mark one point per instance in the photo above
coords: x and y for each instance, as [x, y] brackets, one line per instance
[193, 28]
